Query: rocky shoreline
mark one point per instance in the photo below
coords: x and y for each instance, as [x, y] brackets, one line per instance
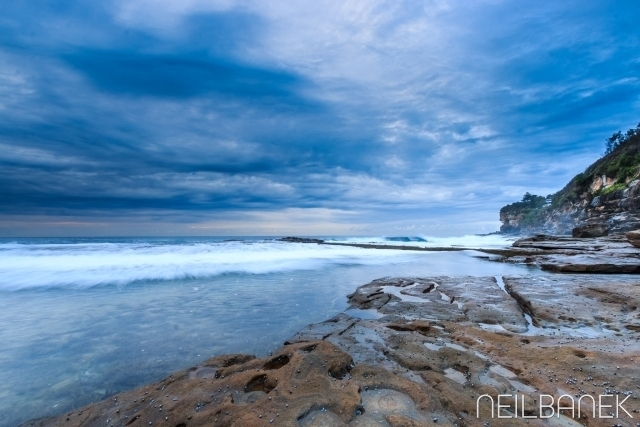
[374, 245]
[616, 254]
[562, 254]
[420, 351]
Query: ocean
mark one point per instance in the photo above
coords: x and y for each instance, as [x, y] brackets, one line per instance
[83, 319]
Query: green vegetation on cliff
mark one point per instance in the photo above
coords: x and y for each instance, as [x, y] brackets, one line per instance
[530, 209]
[621, 160]
[619, 165]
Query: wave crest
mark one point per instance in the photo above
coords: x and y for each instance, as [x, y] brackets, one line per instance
[82, 265]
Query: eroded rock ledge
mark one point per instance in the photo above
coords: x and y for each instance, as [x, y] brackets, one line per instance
[414, 352]
[606, 255]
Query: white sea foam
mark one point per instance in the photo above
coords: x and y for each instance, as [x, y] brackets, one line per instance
[89, 264]
[469, 241]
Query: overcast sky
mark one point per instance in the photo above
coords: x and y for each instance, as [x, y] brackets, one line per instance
[222, 117]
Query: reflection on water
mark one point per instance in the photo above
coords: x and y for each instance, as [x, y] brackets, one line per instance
[65, 347]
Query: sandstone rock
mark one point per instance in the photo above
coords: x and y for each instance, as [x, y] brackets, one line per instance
[479, 347]
[578, 203]
[235, 391]
[440, 344]
[610, 255]
[633, 237]
[590, 230]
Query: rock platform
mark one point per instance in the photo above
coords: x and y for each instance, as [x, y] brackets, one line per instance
[562, 254]
[415, 351]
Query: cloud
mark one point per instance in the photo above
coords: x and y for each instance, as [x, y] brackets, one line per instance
[180, 76]
[382, 115]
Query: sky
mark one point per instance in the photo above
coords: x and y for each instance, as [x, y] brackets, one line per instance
[223, 117]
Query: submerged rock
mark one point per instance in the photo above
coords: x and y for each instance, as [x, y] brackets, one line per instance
[300, 240]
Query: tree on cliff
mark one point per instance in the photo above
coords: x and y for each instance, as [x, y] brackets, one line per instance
[618, 139]
[529, 201]
[532, 201]
[529, 212]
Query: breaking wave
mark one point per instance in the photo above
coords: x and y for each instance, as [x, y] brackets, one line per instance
[81, 265]
[469, 241]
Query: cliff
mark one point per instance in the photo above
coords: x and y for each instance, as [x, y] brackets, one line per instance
[606, 193]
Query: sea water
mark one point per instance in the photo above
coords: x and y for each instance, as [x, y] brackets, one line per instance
[82, 319]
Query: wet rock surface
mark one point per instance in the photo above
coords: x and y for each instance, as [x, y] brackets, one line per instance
[609, 255]
[235, 390]
[300, 240]
[435, 346]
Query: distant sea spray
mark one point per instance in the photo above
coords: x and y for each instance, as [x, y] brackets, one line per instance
[468, 241]
[65, 263]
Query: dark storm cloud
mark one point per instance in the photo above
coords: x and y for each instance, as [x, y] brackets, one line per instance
[182, 76]
[381, 112]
